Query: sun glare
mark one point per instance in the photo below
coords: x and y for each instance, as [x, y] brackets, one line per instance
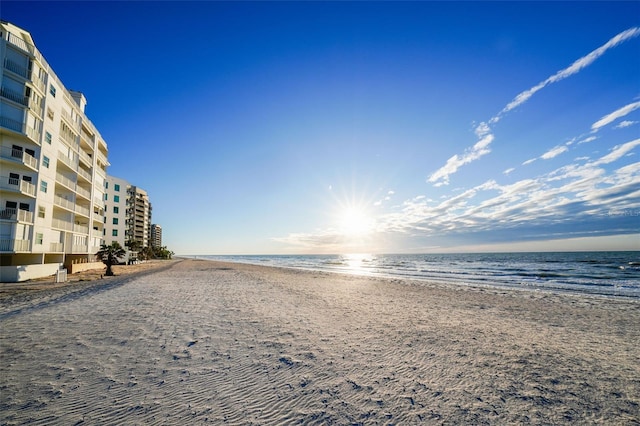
[355, 222]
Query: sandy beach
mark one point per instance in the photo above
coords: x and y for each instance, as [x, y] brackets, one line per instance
[201, 342]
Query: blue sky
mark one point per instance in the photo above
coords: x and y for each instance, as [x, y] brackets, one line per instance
[329, 127]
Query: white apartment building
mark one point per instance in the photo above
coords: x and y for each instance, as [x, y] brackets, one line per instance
[127, 213]
[156, 235]
[52, 167]
[116, 224]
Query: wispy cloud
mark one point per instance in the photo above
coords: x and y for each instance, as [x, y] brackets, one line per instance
[554, 152]
[583, 193]
[609, 118]
[625, 123]
[483, 130]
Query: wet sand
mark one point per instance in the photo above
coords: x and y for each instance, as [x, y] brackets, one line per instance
[199, 342]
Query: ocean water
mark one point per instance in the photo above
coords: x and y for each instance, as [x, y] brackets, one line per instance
[615, 274]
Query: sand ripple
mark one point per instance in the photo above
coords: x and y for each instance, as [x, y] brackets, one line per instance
[205, 342]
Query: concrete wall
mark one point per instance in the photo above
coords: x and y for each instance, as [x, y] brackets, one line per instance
[13, 274]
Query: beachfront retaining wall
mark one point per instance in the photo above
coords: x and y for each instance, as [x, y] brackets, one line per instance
[14, 274]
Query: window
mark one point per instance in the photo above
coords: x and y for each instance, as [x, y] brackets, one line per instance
[39, 238]
[115, 220]
[47, 137]
[106, 185]
[114, 233]
[45, 161]
[116, 187]
[116, 209]
[106, 197]
[52, 90]
[43, 186]
[14, 179]
[41, 211]
[50, 113]
[25, 207]
[116, 198]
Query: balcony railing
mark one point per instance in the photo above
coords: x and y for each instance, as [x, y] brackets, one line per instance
[61, 224]
[16, 215]
[16, 68]
[82, 210]
[14, 96]
[69, 141]
[36, 106]
[80, 229]
[67, 117]
[56, 247]
[64, 203]
[39, 84]
[34, 134]
[79, 248]
[20, 43]
[68, 161]
[18, 185]
[85, 174]
[65, 181]
[83, 192]
[19, 155]
[14, 125]
[86, 158]
[11, 245]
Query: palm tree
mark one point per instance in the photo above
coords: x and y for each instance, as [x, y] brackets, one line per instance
[110, 255]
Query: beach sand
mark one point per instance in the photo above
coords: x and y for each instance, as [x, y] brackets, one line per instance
[206, 342]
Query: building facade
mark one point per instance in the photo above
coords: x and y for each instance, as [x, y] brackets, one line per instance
[53, 166]
[156, 235]
[127, 213]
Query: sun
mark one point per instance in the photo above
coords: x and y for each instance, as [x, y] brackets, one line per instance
[355, 222]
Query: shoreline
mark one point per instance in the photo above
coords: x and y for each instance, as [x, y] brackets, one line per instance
[204, 341]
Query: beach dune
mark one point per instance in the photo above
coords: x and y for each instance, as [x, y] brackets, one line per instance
[209, 342]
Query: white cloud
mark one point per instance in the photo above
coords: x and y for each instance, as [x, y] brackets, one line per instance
[569, 71]
[621, 112]
[554, 152]
[588, 139]
[617, 152]
[625, 123]
[509, 170]
[529, 161]
[441, 176]
[483, 131]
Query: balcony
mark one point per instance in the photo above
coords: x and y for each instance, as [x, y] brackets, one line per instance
[65, 181]
[13, 184]
[19, 156]
[61, 224]
[85, 174]
[86, 158]
[16, 68]
[84, 211]
[36, 107]
[14, 96]
[20, 43]
[80, 229]
[67, 117]
[83, 192]
[15, 215]
[13, 246]
[68, 161]
[64, 203]
[71, 141]
[79, 248]
[56, 247]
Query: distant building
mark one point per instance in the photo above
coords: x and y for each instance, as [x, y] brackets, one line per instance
[53, 166]
[156, 235]
[127, 213]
